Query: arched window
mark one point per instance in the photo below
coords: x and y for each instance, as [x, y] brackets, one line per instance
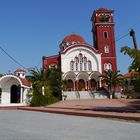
[106, 49]
[80, 57]
[89, 65]
[81, 61]
[72, 65]
[85, 63]
[76, 63]
[76, 66]
[81, 66]
[105, 34]
[107, 66]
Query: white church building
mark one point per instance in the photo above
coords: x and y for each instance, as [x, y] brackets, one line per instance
[82, 64]
[14, 88]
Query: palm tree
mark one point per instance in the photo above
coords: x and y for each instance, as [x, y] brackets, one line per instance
[113, 79]
[35, 77]
[53, 77]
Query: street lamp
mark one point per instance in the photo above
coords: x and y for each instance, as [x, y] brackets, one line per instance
[43, 75]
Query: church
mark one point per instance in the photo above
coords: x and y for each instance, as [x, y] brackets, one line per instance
[14, 88]
[82, 64]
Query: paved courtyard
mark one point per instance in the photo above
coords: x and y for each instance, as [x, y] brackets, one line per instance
[28, 125]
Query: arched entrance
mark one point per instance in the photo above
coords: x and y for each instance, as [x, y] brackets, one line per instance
[81, 85]
[93, 84]
[70, 86]
[15, 94]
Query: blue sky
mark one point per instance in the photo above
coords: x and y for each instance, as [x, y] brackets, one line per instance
[30, 29]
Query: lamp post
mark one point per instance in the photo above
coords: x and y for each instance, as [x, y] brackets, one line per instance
[43, 75]
[132, 33]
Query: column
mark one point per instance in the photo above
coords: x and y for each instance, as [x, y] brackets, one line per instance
[100, 82]
[89, 84]
[21, 95]
[76, 84]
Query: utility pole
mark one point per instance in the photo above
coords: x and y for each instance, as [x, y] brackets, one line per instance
[132, 33]
[43, 75]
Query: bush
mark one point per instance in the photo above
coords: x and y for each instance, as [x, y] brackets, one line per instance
[39, 100]
[137, 85]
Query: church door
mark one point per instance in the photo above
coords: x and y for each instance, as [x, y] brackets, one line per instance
[15, 94]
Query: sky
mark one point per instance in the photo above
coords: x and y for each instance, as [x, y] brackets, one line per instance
[30, 29]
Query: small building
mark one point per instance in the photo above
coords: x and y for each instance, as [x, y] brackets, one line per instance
[14, 88]
[130, 79]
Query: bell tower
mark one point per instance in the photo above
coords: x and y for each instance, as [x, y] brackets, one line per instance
[104, 38]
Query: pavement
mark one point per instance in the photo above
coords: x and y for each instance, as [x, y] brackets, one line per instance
[126, 109]
[31, 125]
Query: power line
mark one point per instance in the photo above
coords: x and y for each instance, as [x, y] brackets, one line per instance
[12, 58]
[123, 36]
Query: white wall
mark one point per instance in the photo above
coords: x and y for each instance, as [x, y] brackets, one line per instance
[72, 53]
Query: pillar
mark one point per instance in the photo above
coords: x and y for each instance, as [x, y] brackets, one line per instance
[76, 85]
[100, 82]
[89, 84]
[21, 95]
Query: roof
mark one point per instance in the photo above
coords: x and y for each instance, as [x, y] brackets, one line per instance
[25, 82]
[131, 74]
[22, 81]
[20, 70]
[73, 38]
[102, 9]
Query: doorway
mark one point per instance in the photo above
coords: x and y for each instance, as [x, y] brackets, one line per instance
[15, 94]
[81, 85]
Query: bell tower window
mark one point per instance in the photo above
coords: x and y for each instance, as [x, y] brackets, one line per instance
[107, 66]
[106, 49]
[105, 34]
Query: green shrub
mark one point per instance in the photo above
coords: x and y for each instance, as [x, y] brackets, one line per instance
[137, 85]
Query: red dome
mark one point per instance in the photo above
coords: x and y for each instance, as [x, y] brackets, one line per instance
[73, 38]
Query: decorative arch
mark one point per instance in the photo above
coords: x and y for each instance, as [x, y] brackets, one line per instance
[95, 75]
[82, 79]
[69, 75]
[82, 75]
[4, 79]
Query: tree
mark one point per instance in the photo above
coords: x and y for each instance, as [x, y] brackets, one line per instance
[53, 77]
[135, 55]
[35, 78]
[135, 65]
[113, 79]
[52, 86]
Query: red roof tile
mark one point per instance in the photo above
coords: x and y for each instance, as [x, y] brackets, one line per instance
[25, 82]
[20, 70]
[131, 74]
[74, 37]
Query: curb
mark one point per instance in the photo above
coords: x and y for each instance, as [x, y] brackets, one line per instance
[80, 113]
